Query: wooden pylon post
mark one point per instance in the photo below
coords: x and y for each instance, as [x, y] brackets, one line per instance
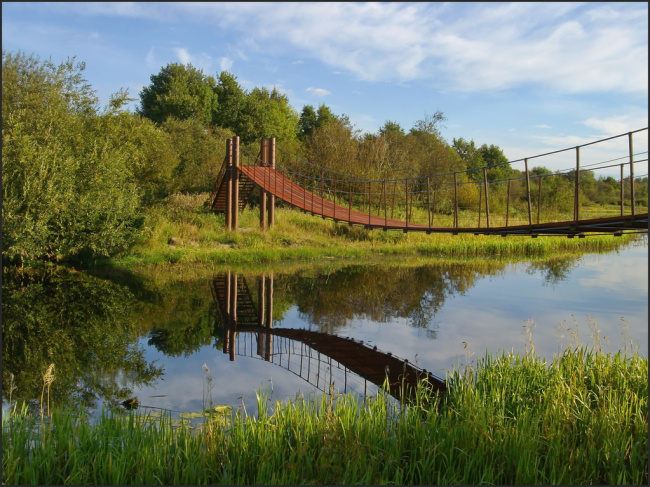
[228, 176]
[235, 184]
[271, 197]
[263, 194]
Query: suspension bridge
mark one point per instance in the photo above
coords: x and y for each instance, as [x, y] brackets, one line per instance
[531, 203]
[322, 360]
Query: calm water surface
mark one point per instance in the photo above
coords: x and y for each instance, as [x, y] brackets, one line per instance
[168, 343]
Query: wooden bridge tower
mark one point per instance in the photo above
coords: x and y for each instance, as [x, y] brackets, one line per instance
[234, 189]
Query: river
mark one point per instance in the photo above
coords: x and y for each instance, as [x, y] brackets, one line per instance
[168, 342]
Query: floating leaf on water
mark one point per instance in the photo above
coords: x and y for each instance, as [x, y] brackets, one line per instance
[219, 409]
[192, 415]
[180, 421]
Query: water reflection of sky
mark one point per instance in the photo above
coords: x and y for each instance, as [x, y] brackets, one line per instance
[490, 316]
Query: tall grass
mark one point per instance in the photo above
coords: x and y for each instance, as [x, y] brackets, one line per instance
[183, 231]
[508, 419]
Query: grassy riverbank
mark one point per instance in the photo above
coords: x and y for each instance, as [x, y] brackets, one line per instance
[182, 231]
[510, 419]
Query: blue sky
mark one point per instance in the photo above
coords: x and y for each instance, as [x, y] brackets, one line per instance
[528, 77]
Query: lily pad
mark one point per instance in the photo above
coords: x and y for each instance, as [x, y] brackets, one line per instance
[192, 415]
[219, 410]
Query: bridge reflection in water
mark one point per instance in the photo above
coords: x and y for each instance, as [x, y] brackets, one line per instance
[322, 360]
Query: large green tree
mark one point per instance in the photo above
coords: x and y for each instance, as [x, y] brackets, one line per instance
[266, 114]
[231, 102]
[311, 119]
[68, 183]
[180, 91]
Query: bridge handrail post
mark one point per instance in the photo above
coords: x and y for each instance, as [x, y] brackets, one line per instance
[429, 200]
[334, 185]
[456, 200]
[263, 197]
[369, 196]
[508, 202]
[539, 196]
[632, 196]
[487, 201]
[350, 201]
[406, 201]
[480, 198]
[312, 198]
[271, 197]
[433, 206]
[576, 196]
[530, 215]
[622, 190]
[385, 204]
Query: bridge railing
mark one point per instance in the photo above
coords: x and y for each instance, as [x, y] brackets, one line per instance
[594, 180]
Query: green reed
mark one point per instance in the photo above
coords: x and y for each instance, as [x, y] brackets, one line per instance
[508, 419]
[184, 232]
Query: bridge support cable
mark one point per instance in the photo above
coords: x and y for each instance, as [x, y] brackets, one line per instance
[508, 202]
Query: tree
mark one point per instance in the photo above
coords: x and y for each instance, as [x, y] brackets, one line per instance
[267, 114]
[198, 152]
[182, 92]
[311, 119]
[231, 103]
[496, 161]
[391, 127]
[470, 155]
[307, 122]
[334, 146]
[429, 124]
[68, 185]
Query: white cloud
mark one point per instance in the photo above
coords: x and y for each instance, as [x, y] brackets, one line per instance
[225, 64]
[201, 61]
[319, 92]
[183, 55]
[616, 125]
[150, 60]
[568, 47]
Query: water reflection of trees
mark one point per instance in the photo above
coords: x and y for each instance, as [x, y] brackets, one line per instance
[380, 294]
[554, 270]
[84, 325]
[90, 326]
[181, 318]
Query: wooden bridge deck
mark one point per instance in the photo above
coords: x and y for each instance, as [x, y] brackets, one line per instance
[272, 181]
[275, 183]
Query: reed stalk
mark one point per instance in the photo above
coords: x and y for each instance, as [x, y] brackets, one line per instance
[581, 418]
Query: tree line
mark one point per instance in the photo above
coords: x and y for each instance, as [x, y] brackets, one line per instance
[78, 178]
